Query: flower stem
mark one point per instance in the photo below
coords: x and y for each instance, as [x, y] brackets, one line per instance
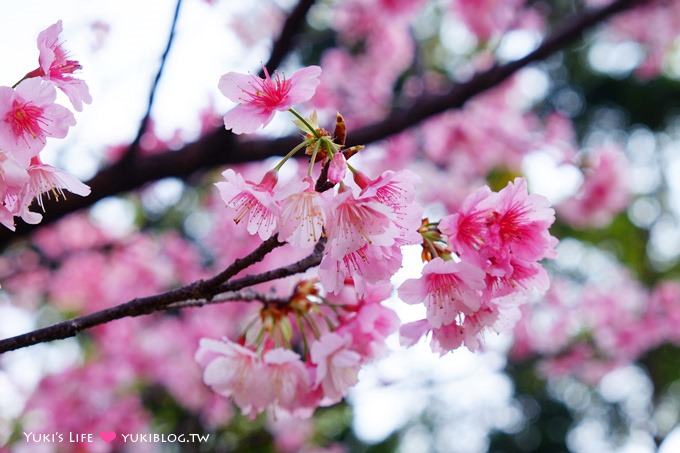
[305, 122]
[312, 161]
[329, 147]
[290, 154]
[312, 324]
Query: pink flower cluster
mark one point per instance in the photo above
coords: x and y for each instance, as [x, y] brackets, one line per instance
[60, 405]
[489, 19]
[297, 357]
[604, 192]
[365, 220]
[308, 352]
[654, 25]
[361, 84]
[490, 123]
[365, 223]
[499, 239]
[587, 331]
[28, 116]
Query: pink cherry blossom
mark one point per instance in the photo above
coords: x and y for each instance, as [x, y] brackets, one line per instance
[519, 221]
[252, 201]
[57, 67]
[503, 232]
[235, 371]
[448, 290]
[337, 168]
[258, 99]
[11, 172]
[654, 26]
[368, 264]
[302, 217]
[59, 404]
[515, 277]
[411, 332]
[500, 237]
[365, 232]
[28, 115]
[46, 179]
[397, 191]
[487, 17]
[13, 177]
[353, 223]
[337, 365]
[604, 193]
[369, 329]
[466, 228]
[289, 380]
[467, 330]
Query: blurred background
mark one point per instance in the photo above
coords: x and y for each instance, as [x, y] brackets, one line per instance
[592, 367]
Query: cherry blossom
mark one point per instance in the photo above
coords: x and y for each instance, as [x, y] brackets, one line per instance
[289, 379]
[302, 217]
[604, 193]
[500, 238]
[58, 68]
[29, 115]
[337, 365]
[235, 371]
[337, 168]
[356, 222]
[258, 99]
[448, 289]
[251, 201]
[284, 347]
[46, 179]
[487, 18]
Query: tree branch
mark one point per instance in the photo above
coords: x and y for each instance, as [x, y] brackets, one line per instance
[134, 146]
[243, 263]
[237, 296]
[313, 260]
[290, 30]
[198, 293]
[209, 151]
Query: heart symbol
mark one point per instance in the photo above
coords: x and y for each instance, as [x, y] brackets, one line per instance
[107, 436]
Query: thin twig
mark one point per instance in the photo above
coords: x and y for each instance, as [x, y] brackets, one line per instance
[313, 260]
[144, 124]
[243, 263]
[289, 32]
[238, 296]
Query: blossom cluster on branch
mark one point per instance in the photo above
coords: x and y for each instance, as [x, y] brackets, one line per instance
[308, 352]
[28, 116]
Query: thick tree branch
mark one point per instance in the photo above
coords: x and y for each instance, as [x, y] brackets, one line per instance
[221, 147]
[198, 293]
[133, 149]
